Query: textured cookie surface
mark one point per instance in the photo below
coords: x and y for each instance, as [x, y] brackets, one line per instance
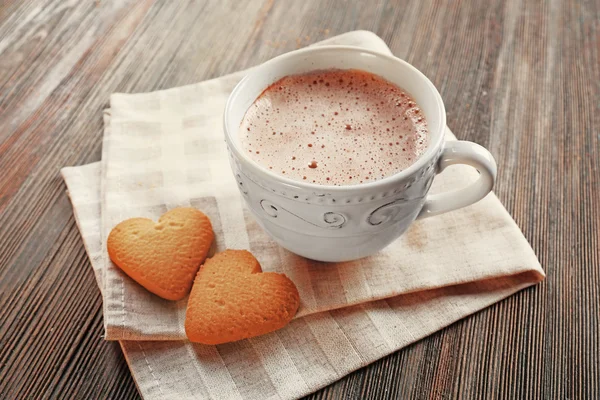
[163, 257]
[232, 299]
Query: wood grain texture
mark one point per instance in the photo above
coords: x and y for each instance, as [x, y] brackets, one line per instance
[521, 78]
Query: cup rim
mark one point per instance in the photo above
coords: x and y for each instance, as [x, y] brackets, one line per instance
[422, 162]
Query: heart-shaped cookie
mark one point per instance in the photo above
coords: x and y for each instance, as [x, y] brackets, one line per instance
[163, 257]
[232, 299]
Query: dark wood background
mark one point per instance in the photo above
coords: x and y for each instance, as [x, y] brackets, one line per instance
[522, 78]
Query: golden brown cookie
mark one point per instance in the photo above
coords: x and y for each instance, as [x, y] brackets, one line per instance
[163, 257]
[232, 299]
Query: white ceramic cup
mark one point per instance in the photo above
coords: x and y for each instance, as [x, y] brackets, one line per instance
[341, 223]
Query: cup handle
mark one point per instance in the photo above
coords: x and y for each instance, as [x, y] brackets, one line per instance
[469, 153]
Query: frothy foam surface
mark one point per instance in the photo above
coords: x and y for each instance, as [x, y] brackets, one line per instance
[334, 127]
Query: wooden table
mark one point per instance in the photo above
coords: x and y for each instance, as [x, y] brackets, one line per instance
[520, 78]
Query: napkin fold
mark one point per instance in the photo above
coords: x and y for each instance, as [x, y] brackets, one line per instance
[165, 149]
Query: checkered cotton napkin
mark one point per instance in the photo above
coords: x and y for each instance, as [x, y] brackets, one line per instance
[165, 149]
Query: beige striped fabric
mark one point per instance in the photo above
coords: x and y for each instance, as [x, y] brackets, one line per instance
[165, 149]
[308, 354]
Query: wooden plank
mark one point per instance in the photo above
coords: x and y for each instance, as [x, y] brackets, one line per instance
[522, 79]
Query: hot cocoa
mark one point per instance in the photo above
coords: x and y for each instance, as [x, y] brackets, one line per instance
[334, 127]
